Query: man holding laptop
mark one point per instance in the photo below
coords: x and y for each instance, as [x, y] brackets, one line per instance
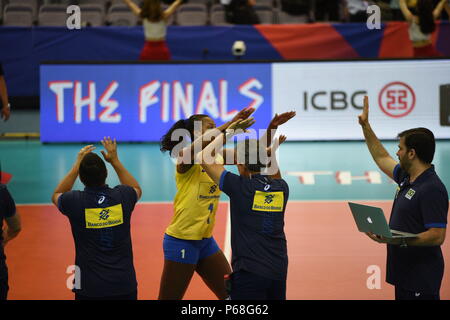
[415, 265]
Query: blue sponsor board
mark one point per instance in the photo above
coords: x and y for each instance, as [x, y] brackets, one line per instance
[140, 102]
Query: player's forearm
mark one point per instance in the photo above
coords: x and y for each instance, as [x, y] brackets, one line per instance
[267, 138]
[174, 5]
[4, 92]
[125, 177]
[133, 7]
[427, 239]
[211, 149]
[374, 145]
[68, 181]
[273, 169]
[201, 142]
[438, 10]
[404, 9]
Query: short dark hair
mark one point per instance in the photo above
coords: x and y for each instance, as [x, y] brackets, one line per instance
[167, 143]
[152, 10]
[422, 141]
[93, 171]
[255, 160]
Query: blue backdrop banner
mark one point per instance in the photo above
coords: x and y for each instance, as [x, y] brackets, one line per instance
[140, 102]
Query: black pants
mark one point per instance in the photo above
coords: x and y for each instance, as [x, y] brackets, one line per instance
[402, 294]
[3, 281]
[249, 286]
[131, 296]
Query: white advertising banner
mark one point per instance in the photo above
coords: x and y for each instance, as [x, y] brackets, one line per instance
[328, 97]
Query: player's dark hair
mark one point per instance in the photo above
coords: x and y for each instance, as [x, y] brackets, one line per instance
[168, 142]
[151, 10]
[424, 9]
[254, 160]
[92, 170]
[422, 141]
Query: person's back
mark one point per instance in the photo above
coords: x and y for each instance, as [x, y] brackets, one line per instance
[155, 30]
[416, 35]
[258, 198]
[422, 25]
[100, 222]
[257, 206]
[154, 20]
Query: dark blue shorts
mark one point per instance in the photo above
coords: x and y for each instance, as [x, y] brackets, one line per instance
[188, 251]
[249, 286]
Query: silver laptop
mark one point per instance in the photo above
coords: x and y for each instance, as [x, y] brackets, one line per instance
[372, 219]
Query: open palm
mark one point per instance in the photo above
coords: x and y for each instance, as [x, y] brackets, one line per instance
[363, 118]
[280, 119]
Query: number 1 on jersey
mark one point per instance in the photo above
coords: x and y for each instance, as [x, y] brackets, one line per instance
[183, 251]
[210, 208]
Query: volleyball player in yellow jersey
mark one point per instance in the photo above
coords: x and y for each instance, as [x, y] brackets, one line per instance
[188, 243]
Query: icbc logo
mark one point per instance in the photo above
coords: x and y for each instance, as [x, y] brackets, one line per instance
[397, 99]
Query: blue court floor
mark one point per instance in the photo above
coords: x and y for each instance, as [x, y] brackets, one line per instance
[314, 170]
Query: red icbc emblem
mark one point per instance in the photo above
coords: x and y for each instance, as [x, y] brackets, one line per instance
[397, 99]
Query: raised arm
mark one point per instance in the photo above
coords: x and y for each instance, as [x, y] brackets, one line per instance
[206, 157]
[382, 158]
[133, 7]
[267, 141]
[203, 140]
[277, 121]
[438, 10]
[67, 182]
[172, 8]
[5, 112]
[271, 152]
[406, 12]
[125, 177]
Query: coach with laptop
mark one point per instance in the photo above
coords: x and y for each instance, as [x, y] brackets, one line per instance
[415, 266]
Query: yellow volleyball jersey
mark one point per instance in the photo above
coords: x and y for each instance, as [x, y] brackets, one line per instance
[195, 205]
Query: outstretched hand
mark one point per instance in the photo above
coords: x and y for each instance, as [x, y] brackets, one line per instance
[5, 113]
[243, 114]
[281, 139]
[363, 118]
[280, 119]
[84, 151]
[242, 124]
[111, 149]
